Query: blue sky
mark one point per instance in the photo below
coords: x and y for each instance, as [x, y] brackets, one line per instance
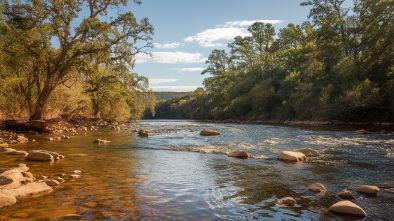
[186, 32]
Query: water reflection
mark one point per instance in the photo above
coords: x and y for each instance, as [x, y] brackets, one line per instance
[178, 175]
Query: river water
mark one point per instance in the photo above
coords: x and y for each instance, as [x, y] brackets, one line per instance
[176, 174]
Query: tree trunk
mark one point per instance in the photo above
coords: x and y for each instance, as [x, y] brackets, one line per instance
[42, 102]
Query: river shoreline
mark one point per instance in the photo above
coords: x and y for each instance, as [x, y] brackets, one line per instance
[59, 126]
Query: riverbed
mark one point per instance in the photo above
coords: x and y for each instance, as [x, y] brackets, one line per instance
[176, 174]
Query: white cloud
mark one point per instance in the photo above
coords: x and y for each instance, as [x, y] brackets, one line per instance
[161, 81]
[167, 46]
[175, 88]
[224, 33]
[247, 23]
[171, 57]
[188, 69]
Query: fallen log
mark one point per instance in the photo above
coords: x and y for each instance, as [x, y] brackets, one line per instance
[34, 125]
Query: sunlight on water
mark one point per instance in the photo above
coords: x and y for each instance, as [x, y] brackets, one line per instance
[176, 174]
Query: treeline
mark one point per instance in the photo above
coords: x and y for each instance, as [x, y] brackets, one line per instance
[69, 59]
[336, 66]
[166, 95]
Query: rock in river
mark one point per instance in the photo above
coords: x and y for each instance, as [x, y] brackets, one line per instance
[292, 156]
[371, 190]
[308, 152]
[287, 200]
[346, 195]
[239, 154]
[347, 208]
[43, 155]
[207, 132]
[317, 187]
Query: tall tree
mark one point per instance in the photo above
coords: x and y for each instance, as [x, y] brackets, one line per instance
[64, 37]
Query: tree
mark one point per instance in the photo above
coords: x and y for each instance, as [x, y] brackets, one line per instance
[59, 42]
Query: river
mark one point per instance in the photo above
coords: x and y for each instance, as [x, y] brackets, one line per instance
[176, 174]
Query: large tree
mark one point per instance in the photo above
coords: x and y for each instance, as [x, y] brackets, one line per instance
[62, 38]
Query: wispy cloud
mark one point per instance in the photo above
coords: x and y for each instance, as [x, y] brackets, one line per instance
[188, 69]
[161, 81]
[222, 34]
[167, 46]
[171, 57]
[175, 88]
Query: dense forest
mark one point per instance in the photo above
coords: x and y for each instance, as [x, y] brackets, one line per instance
[338, 65]
[71, 59]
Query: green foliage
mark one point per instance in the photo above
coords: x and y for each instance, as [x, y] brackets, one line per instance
[47, 44]
[49, 54]
[338, 66]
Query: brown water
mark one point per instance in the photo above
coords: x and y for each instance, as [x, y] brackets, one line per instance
[179, 175]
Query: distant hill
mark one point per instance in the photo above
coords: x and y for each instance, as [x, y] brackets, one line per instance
[166, 95]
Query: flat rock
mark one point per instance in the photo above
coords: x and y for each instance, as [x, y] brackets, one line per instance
[207, 132]
[367, 189]
[346, 195]
[29, 190]
[6, 200]
[292, 156]
[317, 187]
[43, 155]
[347, 208]
[287, 200]
[239, 154]
[308, 152]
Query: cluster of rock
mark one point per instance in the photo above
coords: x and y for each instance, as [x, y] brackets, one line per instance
[18, 183]
[8, 137]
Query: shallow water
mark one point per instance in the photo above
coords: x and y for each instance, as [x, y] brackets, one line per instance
[179, 175]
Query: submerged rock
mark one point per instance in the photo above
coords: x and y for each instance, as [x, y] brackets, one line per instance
[347, 208]
[29, 190]
[239, 154]
[371, 190]
[287, 200]
[100, 141]
[317, 187]
[308, 152]
[388, 184]
[207, 132]
[292, 156]
[52, 182]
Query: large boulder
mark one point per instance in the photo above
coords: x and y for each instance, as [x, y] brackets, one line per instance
[29, 190]
[317, 187]
[292, 156]
[347, 208]
[207, 132]
[239, 154]
[308, 152]
[371, 190]
[43, 155]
